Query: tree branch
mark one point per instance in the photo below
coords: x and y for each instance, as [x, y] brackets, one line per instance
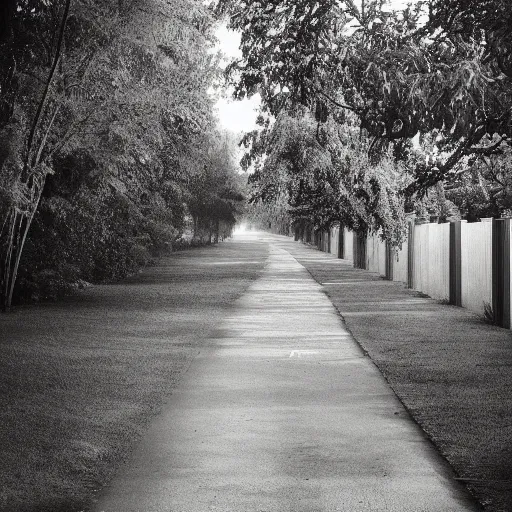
[42, 102]
[486, 150]
[334, 102]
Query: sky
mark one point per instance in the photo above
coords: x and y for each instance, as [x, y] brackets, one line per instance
[240, 116]
[236, 116]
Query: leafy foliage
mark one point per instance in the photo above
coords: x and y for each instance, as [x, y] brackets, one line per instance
[105, 112]
[327, 176]
[485, 190]
[401, 78]
[434, 76]
[215, 194]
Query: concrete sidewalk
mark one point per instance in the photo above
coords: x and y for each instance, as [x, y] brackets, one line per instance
[451, 370]
[284, 412]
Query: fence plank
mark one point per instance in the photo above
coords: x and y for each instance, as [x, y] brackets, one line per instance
[475, 265]
[349, 245]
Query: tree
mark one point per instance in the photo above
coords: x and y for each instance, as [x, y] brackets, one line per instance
[120, 110]
[485, 189]
[428, 88]
[29, 178]
[215, 195]
[486, 22]
[402, 77]
[327, 176]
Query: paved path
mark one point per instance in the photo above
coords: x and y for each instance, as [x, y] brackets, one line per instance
[283, 412]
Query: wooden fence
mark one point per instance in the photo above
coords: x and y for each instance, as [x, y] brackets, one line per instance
[465, 264]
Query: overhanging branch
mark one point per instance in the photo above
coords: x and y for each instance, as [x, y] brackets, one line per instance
[333, 101]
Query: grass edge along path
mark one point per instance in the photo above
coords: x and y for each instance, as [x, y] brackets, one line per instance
[451, 370]
[80, 379]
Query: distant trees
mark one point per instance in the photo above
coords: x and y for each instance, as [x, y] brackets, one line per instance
[215, 195]
[428, 86]
[324, 173]
[104, 115]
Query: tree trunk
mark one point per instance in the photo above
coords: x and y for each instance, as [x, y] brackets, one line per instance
[217, 229]
[12, 221]
[23, 229]
[49, 81]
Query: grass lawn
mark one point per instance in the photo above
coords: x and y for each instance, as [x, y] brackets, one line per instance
[80, 379]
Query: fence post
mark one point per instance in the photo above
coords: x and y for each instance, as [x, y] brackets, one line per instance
[389, 261]
[360, 251]
[355, 250]
[455, 264]
[410, 251]
[341, 242]
[501, 272]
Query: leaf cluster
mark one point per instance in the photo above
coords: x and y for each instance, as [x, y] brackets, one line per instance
[326, 176]
[433, 68]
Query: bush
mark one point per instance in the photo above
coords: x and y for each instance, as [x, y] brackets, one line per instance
[140, 255]
[96, 236]
[48, 284]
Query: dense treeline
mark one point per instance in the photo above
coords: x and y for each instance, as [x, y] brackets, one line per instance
[370, 112]
[108, 143]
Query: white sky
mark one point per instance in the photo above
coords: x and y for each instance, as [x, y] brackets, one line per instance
[240, 116]
[236, 116]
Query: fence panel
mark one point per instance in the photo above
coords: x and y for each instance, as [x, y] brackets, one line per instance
[382, 257]
[420, 251]
[376, 254]
[349, 245]
[326, 235]
[439, 261]
[335, 240]
[400, 265]
[432, 260]
[476, 265]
